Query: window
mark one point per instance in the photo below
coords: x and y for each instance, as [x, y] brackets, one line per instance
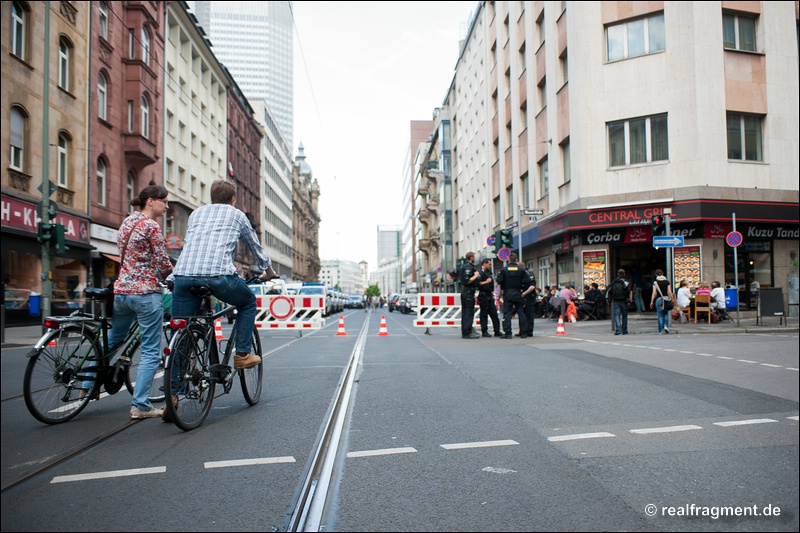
[170, 123]
[63, 160]
[640, 140]
[101, 182]
[181, 133]
[130, 186]
[636, 38]
[131, 47]
[543, 93]
[565, 161]
[544, 177]
[130, 116]
[738, 32]
[102, 95]
[17, 139]
[145, 46]
[145, 117]
[744, 137]
[544, 272]
[564, 61]
[64, 53]
[103, 9]
[168, 171]
[18, 30]
[497, 214]
[510, 204]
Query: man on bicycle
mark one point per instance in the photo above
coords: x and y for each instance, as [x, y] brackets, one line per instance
[212, 234]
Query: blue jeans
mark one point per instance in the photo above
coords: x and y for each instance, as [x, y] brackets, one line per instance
[230, 289]
[621, 316]
[148, 309]
[663, 316]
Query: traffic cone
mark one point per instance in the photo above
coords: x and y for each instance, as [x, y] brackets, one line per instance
[341, 332]
[218, 330]
[383, 332]
[560, 329]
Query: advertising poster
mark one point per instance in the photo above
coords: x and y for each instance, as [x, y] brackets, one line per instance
[594, 268]
[687, 265]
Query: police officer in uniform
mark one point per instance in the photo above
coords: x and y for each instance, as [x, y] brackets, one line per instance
[486, 300]
[514, 281]
[529, 300]
[468, 277]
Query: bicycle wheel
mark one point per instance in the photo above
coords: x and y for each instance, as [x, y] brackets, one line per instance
[189, 391]
[53, 385]
[251, 378]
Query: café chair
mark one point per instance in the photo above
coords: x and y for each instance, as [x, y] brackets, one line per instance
[686, 311]
[702, 304]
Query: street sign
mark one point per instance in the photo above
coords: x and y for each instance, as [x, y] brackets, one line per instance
[512, 225]
[503, 254]
[52, 185]
[533, 212]
[52, 210]
[490, 240]
[533, 219]
[734, 239]
[667, 241]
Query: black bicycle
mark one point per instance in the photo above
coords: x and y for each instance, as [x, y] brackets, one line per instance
[71, 363]
[192, 368]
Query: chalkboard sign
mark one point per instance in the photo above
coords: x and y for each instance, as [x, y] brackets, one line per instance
[770, 303]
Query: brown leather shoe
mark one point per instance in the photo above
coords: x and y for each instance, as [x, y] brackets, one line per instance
[165, 415]
[247, 361]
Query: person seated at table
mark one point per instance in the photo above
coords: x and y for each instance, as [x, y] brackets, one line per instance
[684, 295]
[703, 288]
[718, 300]
[592, 300]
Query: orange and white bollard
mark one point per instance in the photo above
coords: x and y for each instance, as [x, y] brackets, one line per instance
[218, 330]
[560, 329]
[341, 332]
[383, 332]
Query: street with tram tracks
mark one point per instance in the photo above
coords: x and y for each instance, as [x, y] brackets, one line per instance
[411, 431]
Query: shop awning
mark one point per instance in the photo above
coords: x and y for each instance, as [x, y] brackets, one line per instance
[111, 256]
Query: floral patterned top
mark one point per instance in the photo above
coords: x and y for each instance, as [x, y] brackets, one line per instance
[145, 259]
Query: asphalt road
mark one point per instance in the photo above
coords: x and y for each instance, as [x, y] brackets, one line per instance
[583, 431]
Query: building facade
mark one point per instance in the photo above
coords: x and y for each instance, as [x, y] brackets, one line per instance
[277, 227]
[254, 40]
[346, 274]
[545, 118]
[45, 116]
[419, 132]
[305, 220]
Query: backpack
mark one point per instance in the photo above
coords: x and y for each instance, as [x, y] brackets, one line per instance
[618, 290]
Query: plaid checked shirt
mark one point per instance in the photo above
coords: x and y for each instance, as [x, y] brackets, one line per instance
[211, 238]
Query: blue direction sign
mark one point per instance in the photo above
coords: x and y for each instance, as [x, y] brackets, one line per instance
[503, 254]
[667, 241]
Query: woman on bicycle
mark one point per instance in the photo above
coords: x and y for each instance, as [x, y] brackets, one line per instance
[137, 294]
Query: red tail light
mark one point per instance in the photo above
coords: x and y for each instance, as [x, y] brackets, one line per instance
[51, 324]
[177, 323]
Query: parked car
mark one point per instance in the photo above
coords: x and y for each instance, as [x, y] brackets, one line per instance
[408, 304]
[394, 300]
[354, 301]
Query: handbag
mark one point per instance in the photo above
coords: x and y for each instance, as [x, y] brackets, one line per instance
[109, 303]
[668, 305]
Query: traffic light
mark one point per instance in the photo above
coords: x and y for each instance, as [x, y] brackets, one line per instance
[659, 225]
[506, 238]
[60, 239]
[498, 241]
[45, 232]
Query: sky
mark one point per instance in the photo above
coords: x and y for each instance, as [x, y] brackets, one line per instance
[362, 72]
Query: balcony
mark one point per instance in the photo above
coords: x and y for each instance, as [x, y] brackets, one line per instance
[423, 189]
[137, 147]
[424, 244]
[433, 200]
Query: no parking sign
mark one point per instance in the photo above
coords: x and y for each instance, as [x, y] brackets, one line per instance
[503, 253]
[734, 239]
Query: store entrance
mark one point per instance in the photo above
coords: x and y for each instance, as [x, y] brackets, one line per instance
[755, 273]
[640, 263]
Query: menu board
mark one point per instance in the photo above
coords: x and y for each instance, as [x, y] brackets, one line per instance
[594, 268]
[687, 265]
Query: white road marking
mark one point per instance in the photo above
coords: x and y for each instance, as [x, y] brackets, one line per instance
[578, 436]
[793, 417]
[771, 365]
[111, 473]
[495, 470]
[745, 422]
[386, 451]
[249, 462]
[666, 429]
[484, 444]
[747, 361]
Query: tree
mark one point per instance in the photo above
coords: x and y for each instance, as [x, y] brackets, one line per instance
[373, 290]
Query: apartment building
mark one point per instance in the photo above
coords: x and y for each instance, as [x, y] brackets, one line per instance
[602, 114]
[45, 114]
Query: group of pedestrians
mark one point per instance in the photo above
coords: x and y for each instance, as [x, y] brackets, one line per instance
[517, 296]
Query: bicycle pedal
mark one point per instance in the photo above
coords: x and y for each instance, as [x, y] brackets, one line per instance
[124, 360]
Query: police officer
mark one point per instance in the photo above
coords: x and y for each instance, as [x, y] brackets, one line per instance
[514, 281]
[468, 277]
[486, 300]
[529, 300]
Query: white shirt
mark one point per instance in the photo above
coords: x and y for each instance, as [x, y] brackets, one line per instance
[718, 297]
[684, 297]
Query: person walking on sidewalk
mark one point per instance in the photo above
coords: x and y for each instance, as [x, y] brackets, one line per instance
[661, 289]
[619, 294]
